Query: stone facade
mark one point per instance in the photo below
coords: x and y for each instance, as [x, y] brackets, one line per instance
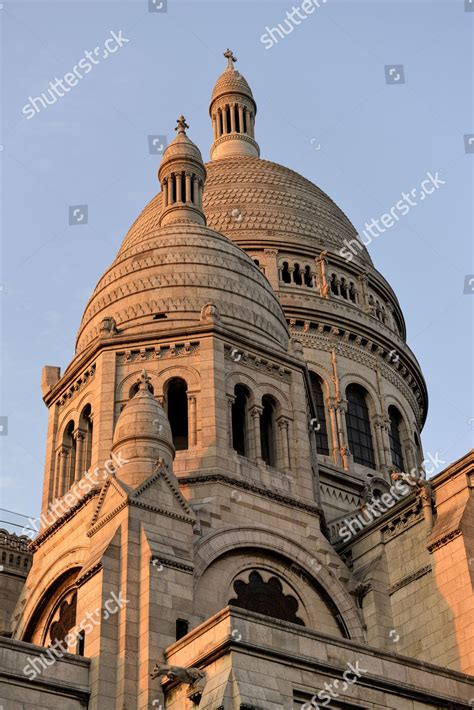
[240, 393]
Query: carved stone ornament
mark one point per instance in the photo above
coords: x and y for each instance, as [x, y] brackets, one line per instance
[210, 312]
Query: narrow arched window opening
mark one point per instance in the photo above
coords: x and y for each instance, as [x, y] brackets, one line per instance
[227, 114]
[333, 285]
[320, 427]
[239, 420]
[344, 293]
[70, 443]
[177, 410]
[359, 431]
[396, 449]
[88, 429]
[352, 293]
[308, 279]
[267, 431]
[297, 278]
[285, 273]
[236, 118]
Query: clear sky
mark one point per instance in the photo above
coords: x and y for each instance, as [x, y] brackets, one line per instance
[324, 109]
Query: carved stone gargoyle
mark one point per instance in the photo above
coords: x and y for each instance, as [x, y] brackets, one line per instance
[193, 677]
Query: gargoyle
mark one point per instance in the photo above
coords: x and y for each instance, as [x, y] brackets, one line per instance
[189, 676]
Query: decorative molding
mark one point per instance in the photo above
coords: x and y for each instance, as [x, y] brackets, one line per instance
[409, 578]
[160, 352]
[406, 519]
[258, 363]
[444, 539]
[88, 574]
[77, 385]
[173, 564]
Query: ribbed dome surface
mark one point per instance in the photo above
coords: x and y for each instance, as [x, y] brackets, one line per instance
[176, 270]
[246, 197]
[231, 81]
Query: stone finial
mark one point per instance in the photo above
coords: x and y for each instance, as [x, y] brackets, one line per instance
[231, 58]
[181, 125]
[144, 381]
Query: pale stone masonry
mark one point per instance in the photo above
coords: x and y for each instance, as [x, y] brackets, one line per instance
[239, 395]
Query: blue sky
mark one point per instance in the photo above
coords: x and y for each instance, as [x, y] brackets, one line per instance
[324, 109]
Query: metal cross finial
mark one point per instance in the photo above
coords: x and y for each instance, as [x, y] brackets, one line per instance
[229, 55]
[182, 125]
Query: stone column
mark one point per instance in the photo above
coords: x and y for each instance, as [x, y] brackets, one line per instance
[192, 419]
[232, 118]
[322, 264]
[188, 187]
[241, 118]
[382, 442]
[336, 453]
[200, 194]
[214, 126]
[255, 414]
[79, 436]
[341, 410]
[165, 193]
[196, 191]
[63, 475]
[271, 271]
[364, 280]
[225, 128]
[283, 425]
[179, 187]
[230, 402]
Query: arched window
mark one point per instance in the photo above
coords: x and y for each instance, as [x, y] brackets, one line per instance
[358, 426]
[297, 278]
[352, 292]
[87, 428]
[267, 431]
[344, 293]
[321, 429]
[395, 438]
[177, 410]
[239, 420]
[266, 598]
[70, 443]
[333, 285]
[308, 279]
[285, 273]
[135, 387]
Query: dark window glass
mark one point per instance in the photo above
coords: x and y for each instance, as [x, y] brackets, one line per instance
[239, 420]
[358, 426]
[267, 431]
[182, 628]
[394, 436]
[285, 274]
[177, 402]
[321, 428]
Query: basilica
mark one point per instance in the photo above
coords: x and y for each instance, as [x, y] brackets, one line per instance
[236, 512]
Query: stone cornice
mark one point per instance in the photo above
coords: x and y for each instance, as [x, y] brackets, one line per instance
[444, 539]
[172, 563]
[409, 578]
[63, 519]
[251, 487]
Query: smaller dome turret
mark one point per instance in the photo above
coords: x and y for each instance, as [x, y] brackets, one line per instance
[182, 175]
[142, 436]
[233, 110]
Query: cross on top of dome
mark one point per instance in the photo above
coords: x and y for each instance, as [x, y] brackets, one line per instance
[231, 58]
[181, 125]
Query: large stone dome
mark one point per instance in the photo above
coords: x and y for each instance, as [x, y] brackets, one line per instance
[163, 277]
[250, 199]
